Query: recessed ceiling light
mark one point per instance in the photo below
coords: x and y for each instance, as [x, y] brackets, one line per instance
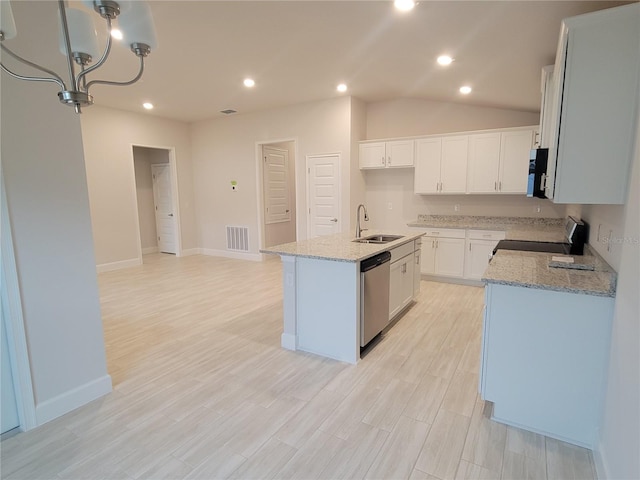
[466, 90]
[117, 34]
[445, 60]
[147, 105]
[249, 82]
[341, 88]
[404, 5]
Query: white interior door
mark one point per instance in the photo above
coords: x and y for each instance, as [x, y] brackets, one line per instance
[323, 192]
[277, 206]
[163, 200]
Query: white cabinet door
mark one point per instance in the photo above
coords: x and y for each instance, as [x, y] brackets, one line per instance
[597, 85]
[400, 153]
[484, 160]
[427, 173]
[395, 288]
[515, 148]
[453, 164]
[372, 155]
[428, 256]
[477, 258]
[417, 270]
[449, 259]
[401, 284]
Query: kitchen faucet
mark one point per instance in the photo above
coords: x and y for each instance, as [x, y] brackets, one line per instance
[366, 219]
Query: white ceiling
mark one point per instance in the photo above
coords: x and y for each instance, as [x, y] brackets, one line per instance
[298, 51]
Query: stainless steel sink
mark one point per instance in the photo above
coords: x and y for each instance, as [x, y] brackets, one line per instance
[380, 239]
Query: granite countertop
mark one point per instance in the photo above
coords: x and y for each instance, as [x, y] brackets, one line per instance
[516, 228]
[341, 247]
[590, 275]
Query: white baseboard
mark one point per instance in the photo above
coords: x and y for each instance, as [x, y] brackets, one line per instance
[107, 267]
[191, 251]
[72, 399]
[288, 341]
[147, 250]
[255, 257]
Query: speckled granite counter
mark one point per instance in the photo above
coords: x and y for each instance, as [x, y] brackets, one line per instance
[532, 270]
[340, 247]
[516, 228]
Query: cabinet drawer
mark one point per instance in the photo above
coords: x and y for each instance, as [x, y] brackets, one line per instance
[445, 232]
[486, 235]
[402, 251]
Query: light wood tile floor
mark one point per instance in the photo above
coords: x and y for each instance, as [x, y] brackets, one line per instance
[203, 390]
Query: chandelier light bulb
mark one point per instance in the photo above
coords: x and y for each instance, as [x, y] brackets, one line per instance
[82, 34]
[117, 34]
[7, 23]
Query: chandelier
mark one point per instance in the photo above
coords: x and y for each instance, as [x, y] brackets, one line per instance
[78, 40]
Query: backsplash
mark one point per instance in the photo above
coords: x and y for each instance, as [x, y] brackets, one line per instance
[464, 219]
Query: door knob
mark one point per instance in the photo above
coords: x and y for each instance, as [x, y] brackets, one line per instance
[171, 214]
[334, 220]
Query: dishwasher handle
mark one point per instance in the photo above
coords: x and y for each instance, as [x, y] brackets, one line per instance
[375, 261]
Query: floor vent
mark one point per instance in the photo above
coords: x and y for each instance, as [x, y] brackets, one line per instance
[238, 238]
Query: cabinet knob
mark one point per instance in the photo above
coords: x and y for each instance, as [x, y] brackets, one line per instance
[389, 159]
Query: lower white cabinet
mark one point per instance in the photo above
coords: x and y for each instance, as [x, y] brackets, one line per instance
[443, 252]
[480, 245]
[544, 360]
[402, 281]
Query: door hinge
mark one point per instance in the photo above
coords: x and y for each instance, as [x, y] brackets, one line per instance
[309, 170]
[156, 207]
[309, 211]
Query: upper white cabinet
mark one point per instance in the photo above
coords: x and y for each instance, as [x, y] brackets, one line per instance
[546, 106]
[396, 153]
[499, 161]
[595, 95]
[441, 164]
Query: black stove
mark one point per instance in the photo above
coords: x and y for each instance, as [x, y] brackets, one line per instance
[527, 246]
[576, 235]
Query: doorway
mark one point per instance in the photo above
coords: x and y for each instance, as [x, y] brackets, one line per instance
[157, 222]
[278, 193]
[323, 195]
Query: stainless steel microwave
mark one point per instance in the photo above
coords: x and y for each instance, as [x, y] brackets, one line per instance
[537, 172]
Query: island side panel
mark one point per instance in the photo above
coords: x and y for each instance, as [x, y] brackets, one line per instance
[544, 360]
[328, 308]
[288, 338]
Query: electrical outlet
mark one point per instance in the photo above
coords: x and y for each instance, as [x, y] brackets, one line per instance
[390, 206]
[456, 208]
[537, 209]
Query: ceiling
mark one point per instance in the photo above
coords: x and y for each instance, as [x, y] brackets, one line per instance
[298, 51]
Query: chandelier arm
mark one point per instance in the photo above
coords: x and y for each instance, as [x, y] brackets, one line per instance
[33, 79]
[103, 59]
[56, 78]
[67, 43]
[120, 84]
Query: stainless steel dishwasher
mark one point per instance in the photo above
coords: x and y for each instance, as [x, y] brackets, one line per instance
[374, 296]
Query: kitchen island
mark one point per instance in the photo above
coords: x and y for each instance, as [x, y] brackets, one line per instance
[321, 291]
[545, 344]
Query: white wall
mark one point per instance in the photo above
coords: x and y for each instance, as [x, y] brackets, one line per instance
[284, 232]
[143, 158]
[109, 136]
[406, 117]
[389, 193]
[358, 133]
[44, 171]
[617, 453]
[224, 149]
